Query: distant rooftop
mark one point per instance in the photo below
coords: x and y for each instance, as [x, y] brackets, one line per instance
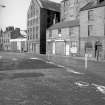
[15, 32]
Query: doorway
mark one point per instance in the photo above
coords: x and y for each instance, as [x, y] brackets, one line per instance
[67, 49]
[98, 48]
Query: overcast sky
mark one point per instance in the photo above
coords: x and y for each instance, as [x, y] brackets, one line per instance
[15, 12]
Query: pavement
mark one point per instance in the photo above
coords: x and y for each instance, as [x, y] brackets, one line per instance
[94, 67]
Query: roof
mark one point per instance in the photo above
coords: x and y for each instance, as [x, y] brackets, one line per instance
[15, 36]
[92, 5]
[50, 5]
[65, 24]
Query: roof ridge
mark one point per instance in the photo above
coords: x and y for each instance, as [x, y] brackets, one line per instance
[92, 5]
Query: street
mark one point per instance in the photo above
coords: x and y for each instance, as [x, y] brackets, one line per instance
[34, 81]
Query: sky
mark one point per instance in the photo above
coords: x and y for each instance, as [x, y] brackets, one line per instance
[15, 13]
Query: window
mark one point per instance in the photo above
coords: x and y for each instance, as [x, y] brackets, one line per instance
[36, 35]
[74, 44]
[71, 31]
[28, 30]
[28, 38]
[50, 33]
[37, 29]
[33, 32]
[67, 3]
[59, 32]
[90, 30]
[33, 29]
[28, 16]
[37, 20]
[91, 15]
[31, 22]
[37, 12]
[64, 3]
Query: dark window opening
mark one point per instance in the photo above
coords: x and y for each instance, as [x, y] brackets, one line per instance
[101, 1]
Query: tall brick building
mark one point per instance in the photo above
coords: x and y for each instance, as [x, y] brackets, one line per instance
[41, 14]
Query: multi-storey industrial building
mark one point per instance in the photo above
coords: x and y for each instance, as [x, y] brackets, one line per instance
[41, 14]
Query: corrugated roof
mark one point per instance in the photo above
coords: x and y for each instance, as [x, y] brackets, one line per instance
[92, 5]
[50, 5]
[65, 24]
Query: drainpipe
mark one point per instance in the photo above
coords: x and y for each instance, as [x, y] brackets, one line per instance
[79, 41]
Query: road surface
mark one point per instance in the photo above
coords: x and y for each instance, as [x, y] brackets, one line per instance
[32, 81]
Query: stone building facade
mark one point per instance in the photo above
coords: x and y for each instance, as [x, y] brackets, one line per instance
[68, 29]
[12, 37]
[63, 38]
[92, 29]
[41, 14]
